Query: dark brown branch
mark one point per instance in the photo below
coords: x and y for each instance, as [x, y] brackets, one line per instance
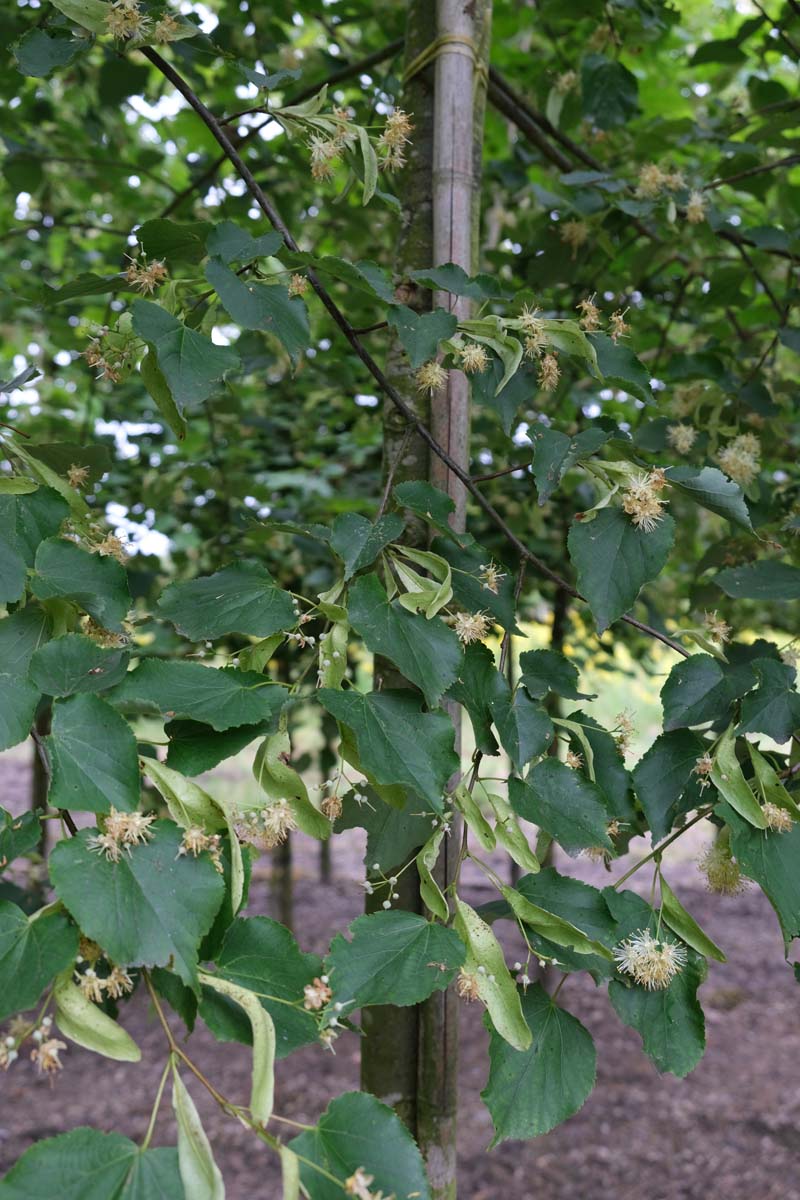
[760, 279]
[497, 474]
[514, 103]
[781, 34]
[344, 72]
[275, 219]
[44, 759]
[526, 125]
[791, 160]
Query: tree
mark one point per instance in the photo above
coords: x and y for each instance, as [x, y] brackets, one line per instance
[620, 325]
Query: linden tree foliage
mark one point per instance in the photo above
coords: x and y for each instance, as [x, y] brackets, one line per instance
[207, 333]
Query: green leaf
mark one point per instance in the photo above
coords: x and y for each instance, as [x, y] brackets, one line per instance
[90, 14]
[397, 743]
[86, 1164]
[27, 520]
[670, 1020]
[262, 956]
[60, 456]
[714, 491]
[191, 364]
[20, 635]
[17, 485]
[175, 241]
[427, 502]
[195, 748]
[290, 1174]
[552, 927]
[614, 559]
[18, 703]
[774, 707]
[451, 278]
[555, 453]
[478, 683]
[37, 53]
[87, 1025]
[579, 905]
[358, 542]
[764, 580]
[684, 924]
[570, 808]
[608, 90]
[363, 276]
[263, 1079]
[230, 243]
[200, 1174]
[469, 588]
[159, 392]
[96, 583]
[771, 860]
[74, 663]
[529, 1092]
[696, 691]
[620, 367]
[223, 698]
[93, 757]
[155, 1174]
[267, 307]
[728, 778]
[392, 834]
[495, 986]
[276, 777]
[18, 835]
[238, 599]
[149, 909]
[524, 728]
[662, 779]
[370, 161]
[421, 333]
[544, 671]
[33, 950]
[357, 1131]
[13, 574]
[431, 894]
[187, 803]
[468, 806]
[426, 651]
[769, 783]
[608, 769]
[392, 958]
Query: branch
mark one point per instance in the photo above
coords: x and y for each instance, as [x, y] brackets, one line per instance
[791, 160]
[512, 104]
[344, 72]
[277, 222]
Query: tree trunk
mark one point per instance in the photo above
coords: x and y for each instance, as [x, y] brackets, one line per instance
[389, 1047]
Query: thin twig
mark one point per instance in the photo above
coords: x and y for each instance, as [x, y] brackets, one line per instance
[497, 474]
[791, 160]
[673, 837]
[390, 474]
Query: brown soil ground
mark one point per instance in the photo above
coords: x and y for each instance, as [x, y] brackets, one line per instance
[728, 1132]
